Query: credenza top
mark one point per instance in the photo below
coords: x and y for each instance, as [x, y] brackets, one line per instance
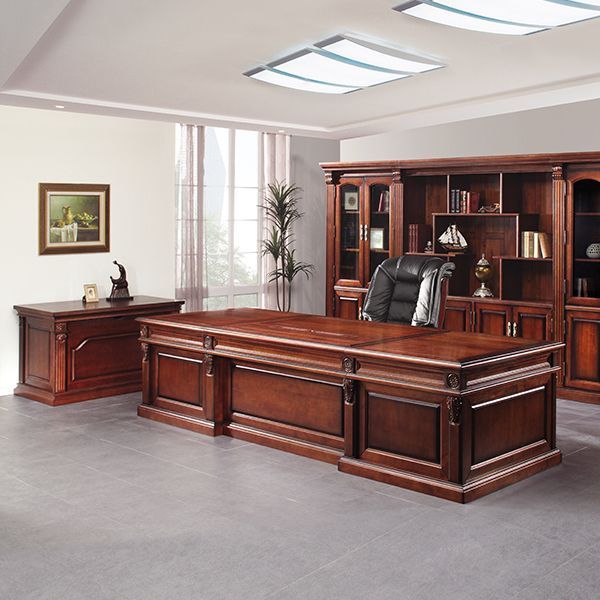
[354, 338]
[74, 308]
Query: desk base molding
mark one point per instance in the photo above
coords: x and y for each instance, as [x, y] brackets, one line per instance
[169, 417]
[70, 397]
[281, 442]
[468, 492]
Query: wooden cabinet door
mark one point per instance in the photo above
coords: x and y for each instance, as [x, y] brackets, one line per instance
[583, 349]
[492, 318]
[458, 315]
[349, 233]
[348, 304]
[532, 323]
[378, 233]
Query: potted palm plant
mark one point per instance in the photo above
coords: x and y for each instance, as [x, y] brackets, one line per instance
[281, 212]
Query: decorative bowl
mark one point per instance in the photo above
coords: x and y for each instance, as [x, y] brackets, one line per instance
[593, 250]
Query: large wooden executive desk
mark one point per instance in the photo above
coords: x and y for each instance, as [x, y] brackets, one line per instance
[450, 414]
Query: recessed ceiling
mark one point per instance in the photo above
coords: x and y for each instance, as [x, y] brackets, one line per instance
[184, 60]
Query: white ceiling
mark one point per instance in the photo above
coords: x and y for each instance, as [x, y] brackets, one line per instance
[182, 60]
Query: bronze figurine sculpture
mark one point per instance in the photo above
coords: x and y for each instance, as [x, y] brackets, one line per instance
[120, 288]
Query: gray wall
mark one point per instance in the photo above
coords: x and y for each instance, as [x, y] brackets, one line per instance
[306, 154]
[567, 128]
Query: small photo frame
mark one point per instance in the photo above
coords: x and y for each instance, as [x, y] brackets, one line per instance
[90, 293]
[377, 239]
[350, 200]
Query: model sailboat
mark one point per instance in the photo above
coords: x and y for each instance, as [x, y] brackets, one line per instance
[453, 240]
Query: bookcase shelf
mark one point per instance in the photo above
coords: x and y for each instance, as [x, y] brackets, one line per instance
[528, 258]
[556, 197]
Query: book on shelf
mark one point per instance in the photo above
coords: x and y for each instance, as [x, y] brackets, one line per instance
[535, 244]
[462, 201]
[384, 202]
[418, 236]
[545, 245]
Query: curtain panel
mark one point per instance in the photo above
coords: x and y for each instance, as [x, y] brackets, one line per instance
[190, 254]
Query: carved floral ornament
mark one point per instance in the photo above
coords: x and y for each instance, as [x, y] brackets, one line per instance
[557, 172]
[348, 390]
[210, 365]
[453, 381]
[209, 342]
[454, 405]
[348, 364]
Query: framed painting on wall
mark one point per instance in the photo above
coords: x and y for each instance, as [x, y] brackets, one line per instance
[74, 217]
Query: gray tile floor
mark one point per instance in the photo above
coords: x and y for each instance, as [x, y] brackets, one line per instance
[96, 503]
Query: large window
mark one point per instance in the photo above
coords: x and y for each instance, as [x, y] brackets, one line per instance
[220, 175]
[232, 274]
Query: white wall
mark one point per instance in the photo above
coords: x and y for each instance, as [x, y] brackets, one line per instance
[311, 231]
[566, 128]
[135, 157]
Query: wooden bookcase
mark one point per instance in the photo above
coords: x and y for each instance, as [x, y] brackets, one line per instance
[534, 297]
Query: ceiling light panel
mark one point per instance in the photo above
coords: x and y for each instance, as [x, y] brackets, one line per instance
[368, 55]
[509, 17]
[297, 83]
[313, 65]
[340, 65]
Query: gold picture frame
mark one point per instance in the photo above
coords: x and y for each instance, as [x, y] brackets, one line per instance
[90, 293]
[74, 218]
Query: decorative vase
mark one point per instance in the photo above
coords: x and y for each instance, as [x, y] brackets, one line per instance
[593, 250]
[483, 272]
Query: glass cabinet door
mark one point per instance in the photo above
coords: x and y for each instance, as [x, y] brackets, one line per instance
[585, 280]
[377, 231]
[351, 233]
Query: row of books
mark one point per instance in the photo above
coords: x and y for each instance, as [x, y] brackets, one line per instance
[535, 244]
[384, 202]
[418, 236]
[462, 201]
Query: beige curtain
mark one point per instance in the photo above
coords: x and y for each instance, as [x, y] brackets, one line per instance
[189, 244]
[276, 167]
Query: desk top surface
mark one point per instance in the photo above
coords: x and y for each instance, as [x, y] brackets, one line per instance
[78, 307]
[357, 338]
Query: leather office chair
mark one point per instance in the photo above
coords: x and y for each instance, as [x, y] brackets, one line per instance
[410, 290]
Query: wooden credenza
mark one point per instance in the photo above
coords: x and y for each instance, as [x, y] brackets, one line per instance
[451, 414]
[71, 351]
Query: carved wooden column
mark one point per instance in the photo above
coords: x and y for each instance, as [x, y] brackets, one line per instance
[455, 410]
[213, 387]
[59, 381]
[349, 393]
[146, 384]
[559, 196]
[22, 347]
[397, 212]
[331, 180]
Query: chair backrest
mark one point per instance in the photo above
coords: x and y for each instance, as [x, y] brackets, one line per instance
[409, 289]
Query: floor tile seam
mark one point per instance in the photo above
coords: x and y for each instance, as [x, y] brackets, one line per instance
[162, 460]
[537, 533]
[259, 488]
[575, 451]
[49, 494]
[559, 566]
[133, 485]
[411, 502]
[346, 554]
